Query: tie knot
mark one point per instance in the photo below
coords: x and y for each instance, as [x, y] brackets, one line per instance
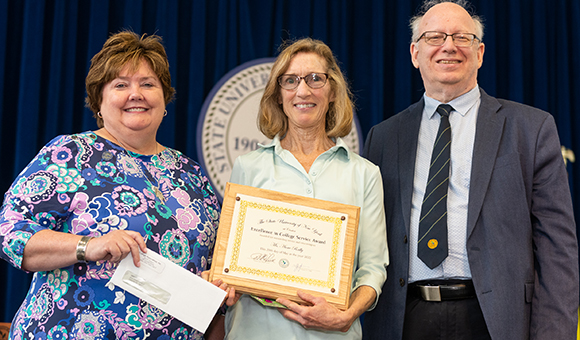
[444, 109]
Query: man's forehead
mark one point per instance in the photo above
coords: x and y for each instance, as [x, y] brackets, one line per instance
[447, 14]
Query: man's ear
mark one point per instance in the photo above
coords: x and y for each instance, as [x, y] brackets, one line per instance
[414, 50]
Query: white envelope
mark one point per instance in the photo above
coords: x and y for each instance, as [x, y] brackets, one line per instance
[170, 288]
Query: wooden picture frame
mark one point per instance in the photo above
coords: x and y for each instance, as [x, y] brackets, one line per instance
[290, 243]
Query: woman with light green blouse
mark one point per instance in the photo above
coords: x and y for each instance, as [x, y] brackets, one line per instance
[305, 110]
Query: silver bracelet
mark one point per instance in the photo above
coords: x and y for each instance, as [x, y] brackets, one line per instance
[82, 247]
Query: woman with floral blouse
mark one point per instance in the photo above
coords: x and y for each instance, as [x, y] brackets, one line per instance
[88, 200]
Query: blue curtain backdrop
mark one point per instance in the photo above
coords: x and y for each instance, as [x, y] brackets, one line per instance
[532, 56]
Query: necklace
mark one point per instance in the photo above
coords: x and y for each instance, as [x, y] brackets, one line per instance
[156, 189]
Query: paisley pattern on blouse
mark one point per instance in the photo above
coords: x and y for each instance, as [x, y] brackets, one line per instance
[86, 185]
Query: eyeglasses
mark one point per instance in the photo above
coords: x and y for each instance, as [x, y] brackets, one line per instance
[438, 38]
[313, 80]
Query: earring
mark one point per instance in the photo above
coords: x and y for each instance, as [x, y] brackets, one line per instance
[99, 114]
[165, 114]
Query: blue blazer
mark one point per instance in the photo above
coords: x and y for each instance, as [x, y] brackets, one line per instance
[521, 234]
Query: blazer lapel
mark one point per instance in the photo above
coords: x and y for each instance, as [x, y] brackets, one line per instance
[408, 136]
[487, 139]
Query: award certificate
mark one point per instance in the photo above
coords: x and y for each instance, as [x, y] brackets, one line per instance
[271, 244]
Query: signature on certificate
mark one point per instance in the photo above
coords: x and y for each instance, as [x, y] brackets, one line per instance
[265, 258]
[302, 268]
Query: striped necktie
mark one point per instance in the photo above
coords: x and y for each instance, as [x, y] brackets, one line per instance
[433, 245]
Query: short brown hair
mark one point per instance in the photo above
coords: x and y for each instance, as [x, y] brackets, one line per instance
[120, 49]
[271, 117]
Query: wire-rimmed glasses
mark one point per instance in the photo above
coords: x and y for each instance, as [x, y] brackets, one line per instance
[313, 80]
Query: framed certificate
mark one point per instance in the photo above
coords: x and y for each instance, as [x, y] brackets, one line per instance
[271, 244]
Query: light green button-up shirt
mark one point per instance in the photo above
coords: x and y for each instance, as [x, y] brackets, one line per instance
[337, 175]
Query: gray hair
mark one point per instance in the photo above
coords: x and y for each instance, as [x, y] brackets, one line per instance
[428, 4]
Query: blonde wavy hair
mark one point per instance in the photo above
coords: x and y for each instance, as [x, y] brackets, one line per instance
[271, 117]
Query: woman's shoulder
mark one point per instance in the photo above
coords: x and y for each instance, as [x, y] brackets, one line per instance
[363, 163]
[176, 159]
[63, 147]
[87, 138]
[252, 165]
[356, 159]
[174, 155]
[256, 155]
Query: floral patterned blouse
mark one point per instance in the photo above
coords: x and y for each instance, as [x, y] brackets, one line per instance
[86, 185]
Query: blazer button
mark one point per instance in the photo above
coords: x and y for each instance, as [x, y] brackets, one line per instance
[405, 239]
[402, 282]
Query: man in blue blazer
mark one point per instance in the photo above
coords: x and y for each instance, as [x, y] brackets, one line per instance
[510, 270]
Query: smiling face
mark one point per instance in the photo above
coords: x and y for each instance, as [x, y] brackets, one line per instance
[448, 71]
[306, 107]
[133, 102]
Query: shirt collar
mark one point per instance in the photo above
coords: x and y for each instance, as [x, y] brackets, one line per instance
[339, 145]
[461, 104]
